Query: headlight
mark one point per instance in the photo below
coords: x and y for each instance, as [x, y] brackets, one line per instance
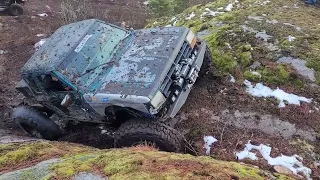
[158, 100]
[191, 38]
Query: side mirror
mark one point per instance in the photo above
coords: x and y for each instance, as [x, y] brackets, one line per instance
[67, 101]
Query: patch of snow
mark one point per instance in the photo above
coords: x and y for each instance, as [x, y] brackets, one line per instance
[232, 79]
[103, 131]
[191, 16]
[293, 163]
[175, 23]
[291, 38]
[3, 52]
[174, 18]
[208, 141]
[220, 8]
[300, 66]
[248, 29]
[43, 15]
[210, 13]
[169, 25]
[229, 7]
[229, 46]
[256, 18]
[272, 21]
[40, 35]
[263, 91]
[146, 2]
[39, 44]
[263, 35]
[256, 73]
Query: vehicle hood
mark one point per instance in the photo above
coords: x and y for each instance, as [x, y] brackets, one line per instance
[140, 66]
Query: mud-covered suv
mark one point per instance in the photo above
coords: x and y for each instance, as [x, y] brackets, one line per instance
[13, 7]
[95, 72]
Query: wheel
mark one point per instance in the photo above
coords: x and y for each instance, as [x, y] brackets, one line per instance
[36, 123]
[207, 61]
[15, 9]
[135, 132]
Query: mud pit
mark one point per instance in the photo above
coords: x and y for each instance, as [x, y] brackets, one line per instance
[215, 107]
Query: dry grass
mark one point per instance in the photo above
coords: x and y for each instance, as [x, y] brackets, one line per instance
[76, 10]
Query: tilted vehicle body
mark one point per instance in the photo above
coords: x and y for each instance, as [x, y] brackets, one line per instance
[95, 72]
[13, 7]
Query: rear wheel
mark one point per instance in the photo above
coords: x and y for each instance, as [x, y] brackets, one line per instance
[135, 132]
[36, 123]
[15, 9]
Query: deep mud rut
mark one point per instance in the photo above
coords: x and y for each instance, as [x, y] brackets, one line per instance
[215, 106]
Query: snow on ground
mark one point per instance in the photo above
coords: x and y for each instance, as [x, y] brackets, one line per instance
[232, 79]
[293, 163]
[209, 12]
[229, 7]
[291, 38]
[191, 16]
[256, 73]
[208, 142]
[43, 15]
[40, 35]
[259, 90]
[146, 2]
[39, 44]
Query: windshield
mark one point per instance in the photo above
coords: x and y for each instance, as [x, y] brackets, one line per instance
[97, 48]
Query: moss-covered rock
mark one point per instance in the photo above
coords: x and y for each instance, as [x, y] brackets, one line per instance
[133, 163]
[255, 30]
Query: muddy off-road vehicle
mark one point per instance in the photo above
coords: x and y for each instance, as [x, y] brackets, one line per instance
[13, 7]
[93, 72]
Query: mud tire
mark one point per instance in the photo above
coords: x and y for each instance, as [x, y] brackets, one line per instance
[135, 132]
[15, 10]
[207, 61]
[36, 123]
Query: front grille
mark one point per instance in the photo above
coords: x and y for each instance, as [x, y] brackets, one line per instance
[184, 53]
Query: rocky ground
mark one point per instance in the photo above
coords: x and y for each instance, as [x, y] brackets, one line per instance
[276, 43]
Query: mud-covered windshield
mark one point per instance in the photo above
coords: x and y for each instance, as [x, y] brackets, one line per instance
[97, 48]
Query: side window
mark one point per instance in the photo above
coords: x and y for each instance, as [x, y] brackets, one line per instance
[52, 83]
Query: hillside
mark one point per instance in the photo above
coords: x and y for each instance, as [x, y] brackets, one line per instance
[53, 160]
[274, 45]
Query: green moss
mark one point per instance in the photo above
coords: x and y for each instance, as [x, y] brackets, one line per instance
[141, 163]
[275, 76]
[74, 164]
[19, 155]
[29, 175]
[246, 172]
[251, 77]
[245, 59]
[226, 17]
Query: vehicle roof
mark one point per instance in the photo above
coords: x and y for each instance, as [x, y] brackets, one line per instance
[60, 45]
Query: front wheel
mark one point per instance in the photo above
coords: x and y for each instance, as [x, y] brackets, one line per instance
[15, 9]
[207, 61]
[36, 123]
[135, 132]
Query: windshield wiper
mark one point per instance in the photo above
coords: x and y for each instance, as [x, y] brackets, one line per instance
[110, 63]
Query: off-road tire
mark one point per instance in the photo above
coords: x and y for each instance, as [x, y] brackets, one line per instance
[15, 10]
[36, 123]
[134, 132]
[207, 61]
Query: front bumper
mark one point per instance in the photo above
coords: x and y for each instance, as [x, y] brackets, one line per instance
[181, 99]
